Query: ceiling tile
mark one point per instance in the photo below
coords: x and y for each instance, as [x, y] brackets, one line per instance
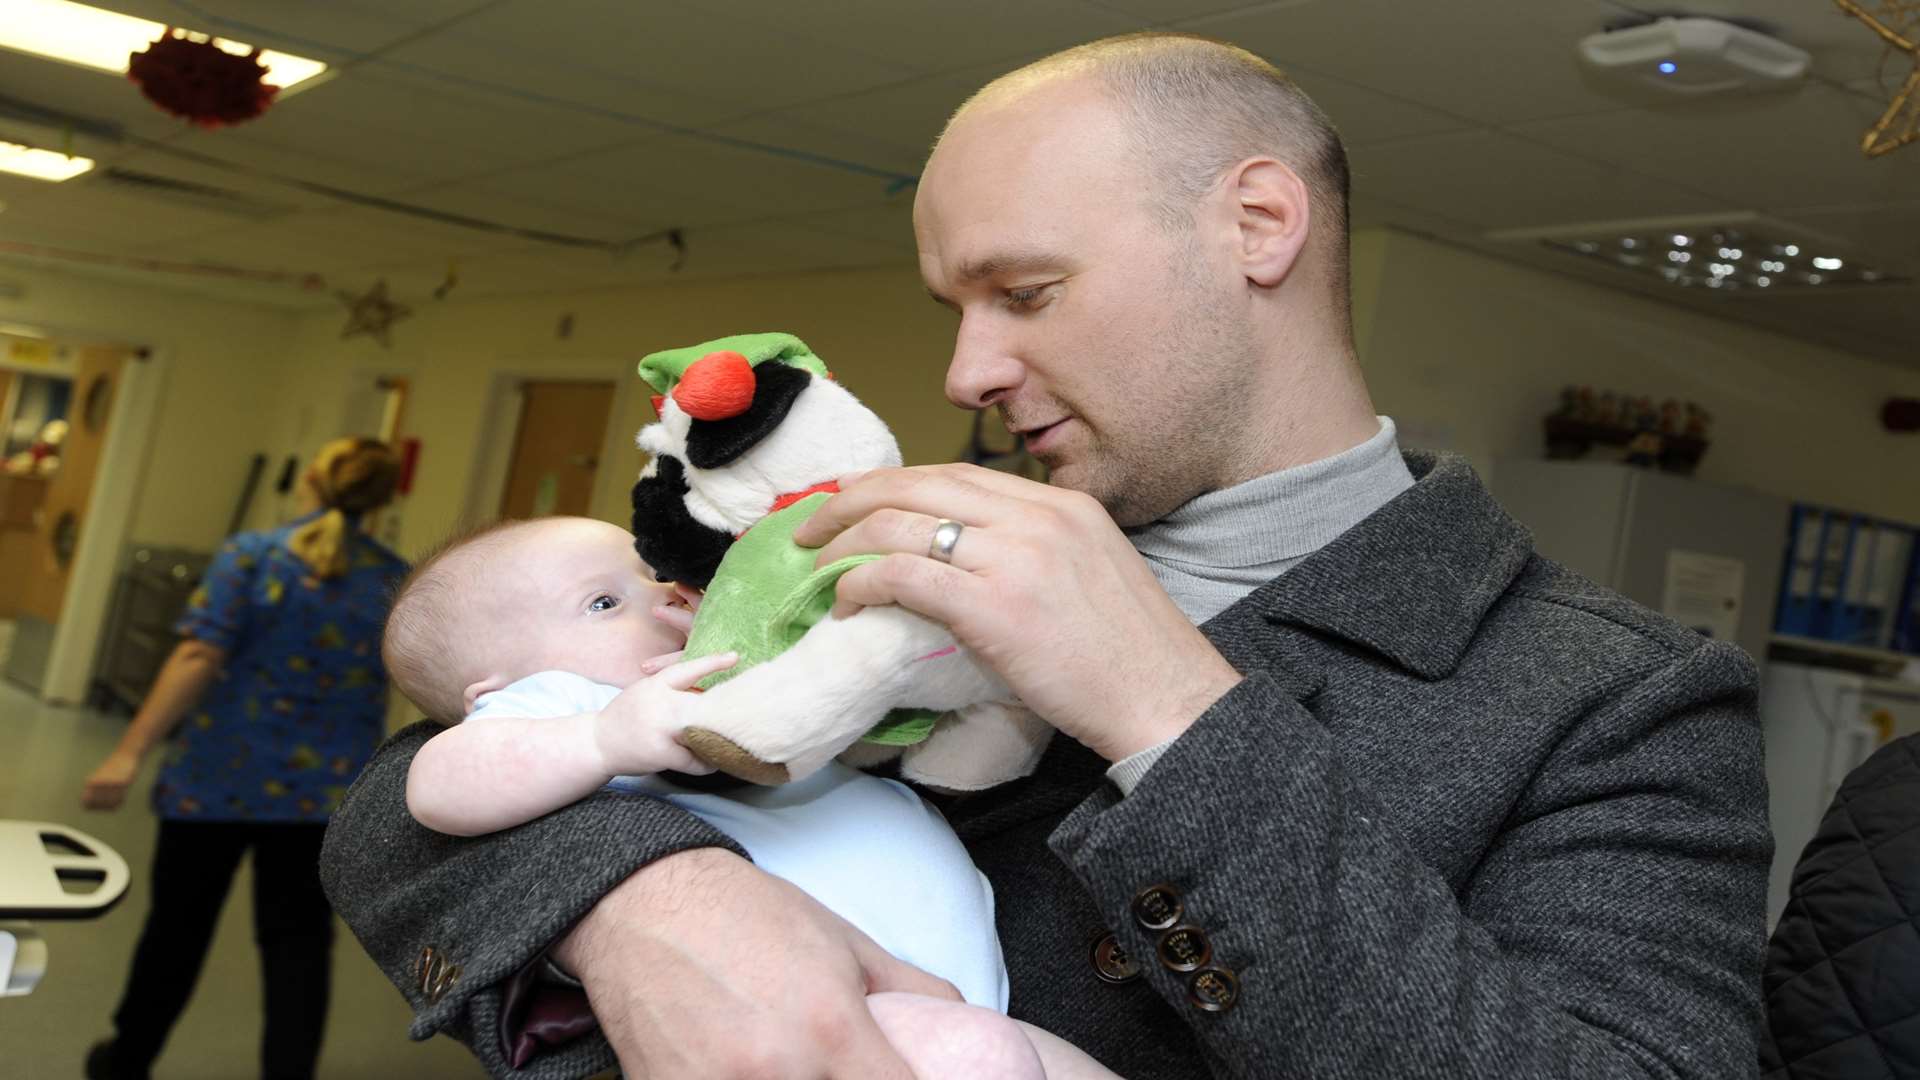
[130, 219]
[886, 225]
[1367, 116]
[87, 95]
[730, 251]
[1758, 153]
[344, 25]
[909, 114]
[380, 124]
[924, 35]
[183, 279]
[1160, 12]
[645, 58]
[793, 136]
[618, 185]
[478, 202]
[342, 241]
[1369, 210]
[273, 170]
[479, 124]
[1496, 181]
[684, 180]
[1492, 61]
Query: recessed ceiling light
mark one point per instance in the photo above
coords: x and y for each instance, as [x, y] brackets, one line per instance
[41, 164]
[101, 39]
[1742, 252]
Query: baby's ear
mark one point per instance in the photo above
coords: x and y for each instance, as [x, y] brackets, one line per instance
[484, 686]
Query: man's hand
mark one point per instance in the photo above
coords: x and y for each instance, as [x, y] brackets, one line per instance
[106, 787]
[1043, 587]
[702, 964]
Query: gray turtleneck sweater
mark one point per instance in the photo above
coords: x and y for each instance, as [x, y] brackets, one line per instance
[1223, 545]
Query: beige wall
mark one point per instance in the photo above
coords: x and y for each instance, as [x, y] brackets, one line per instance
[222, 383]
[876, 328]
[1472, 352]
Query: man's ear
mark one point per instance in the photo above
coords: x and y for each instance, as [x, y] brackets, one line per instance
[1274, 215]
[483, 686]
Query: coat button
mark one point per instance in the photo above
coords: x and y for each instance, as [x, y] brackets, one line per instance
[1111, 962]
[1213, 990]
[434, 974]
[1157, 907]
[1185, 948]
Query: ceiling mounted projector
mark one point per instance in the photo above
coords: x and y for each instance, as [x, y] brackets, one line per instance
[1694, 56]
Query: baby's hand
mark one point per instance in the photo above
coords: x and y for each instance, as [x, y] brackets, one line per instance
[635, 732]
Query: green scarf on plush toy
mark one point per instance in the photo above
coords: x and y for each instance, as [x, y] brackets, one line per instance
[766, 593]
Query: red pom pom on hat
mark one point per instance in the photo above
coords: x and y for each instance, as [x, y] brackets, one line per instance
[716, 386]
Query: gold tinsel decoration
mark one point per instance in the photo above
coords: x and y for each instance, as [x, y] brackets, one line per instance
[1898, 24]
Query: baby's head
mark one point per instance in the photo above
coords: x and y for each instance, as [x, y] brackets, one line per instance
[520, 597]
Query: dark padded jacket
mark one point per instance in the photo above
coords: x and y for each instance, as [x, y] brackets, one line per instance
[1843, 971]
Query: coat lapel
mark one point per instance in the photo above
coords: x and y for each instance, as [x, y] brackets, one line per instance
[1411, 582]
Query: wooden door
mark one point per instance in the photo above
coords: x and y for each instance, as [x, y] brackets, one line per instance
[556, 449]
[63, 512]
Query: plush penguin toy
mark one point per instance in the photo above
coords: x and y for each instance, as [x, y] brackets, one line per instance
[753, 432]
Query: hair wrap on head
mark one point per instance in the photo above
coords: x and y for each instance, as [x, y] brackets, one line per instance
[352, 477]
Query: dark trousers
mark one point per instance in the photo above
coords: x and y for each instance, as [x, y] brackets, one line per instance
[193, 867]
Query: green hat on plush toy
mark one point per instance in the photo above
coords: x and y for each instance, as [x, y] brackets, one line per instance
[714, 380]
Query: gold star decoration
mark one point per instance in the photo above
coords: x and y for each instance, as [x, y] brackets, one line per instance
[372, 313]
[1896, 23]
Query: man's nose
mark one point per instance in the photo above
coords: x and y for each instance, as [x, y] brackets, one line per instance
[984, 369]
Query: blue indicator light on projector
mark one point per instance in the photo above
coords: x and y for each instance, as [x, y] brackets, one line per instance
[1668, 67]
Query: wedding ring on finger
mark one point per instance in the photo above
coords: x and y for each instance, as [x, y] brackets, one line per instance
[945, 536]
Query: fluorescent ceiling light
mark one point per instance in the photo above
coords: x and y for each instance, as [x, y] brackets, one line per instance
[41, 164]
[101, 39]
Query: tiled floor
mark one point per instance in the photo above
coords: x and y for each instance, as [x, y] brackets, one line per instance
[44, 754]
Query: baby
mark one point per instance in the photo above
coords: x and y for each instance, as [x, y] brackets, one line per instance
[552, 655]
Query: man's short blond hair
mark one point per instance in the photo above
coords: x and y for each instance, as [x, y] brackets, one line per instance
[423, 647]
[1194, 108]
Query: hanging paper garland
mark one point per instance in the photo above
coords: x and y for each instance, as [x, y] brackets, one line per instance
[200, 81]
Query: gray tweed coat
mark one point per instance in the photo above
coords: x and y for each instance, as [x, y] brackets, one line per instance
[1468, 815]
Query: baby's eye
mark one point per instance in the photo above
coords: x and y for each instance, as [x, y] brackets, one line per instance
[603, 602]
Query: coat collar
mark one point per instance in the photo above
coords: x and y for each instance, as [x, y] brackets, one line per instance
[1412, 581]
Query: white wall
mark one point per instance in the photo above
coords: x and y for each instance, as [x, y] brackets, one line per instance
[1473, 352]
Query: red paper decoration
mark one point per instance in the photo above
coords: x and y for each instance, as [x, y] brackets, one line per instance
[201, 82]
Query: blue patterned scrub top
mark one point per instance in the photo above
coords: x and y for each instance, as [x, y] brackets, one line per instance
[302, 700]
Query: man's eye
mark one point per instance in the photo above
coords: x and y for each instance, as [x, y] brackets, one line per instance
[603, 603]
[1027, 298]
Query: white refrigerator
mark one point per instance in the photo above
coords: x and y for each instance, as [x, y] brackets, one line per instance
[1821, 723]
